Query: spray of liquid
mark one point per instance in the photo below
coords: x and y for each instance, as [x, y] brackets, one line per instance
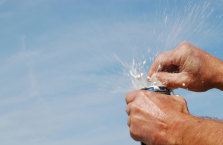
[190, 23]
[139, 78]
[187, 20]
[136, 73]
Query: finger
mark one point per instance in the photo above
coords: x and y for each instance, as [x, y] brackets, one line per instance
[186, 110]
[154, 67]
[174, 80]
[183, 101]
[132, 109]
[129, 121]
[166, 58]
[179, 98]
[131, 96]
[128, 109]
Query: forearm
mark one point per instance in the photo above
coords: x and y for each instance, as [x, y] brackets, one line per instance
[218, 75]
[200, 131]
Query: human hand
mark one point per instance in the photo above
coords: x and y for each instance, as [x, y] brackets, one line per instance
[156, 118]
[188, 67]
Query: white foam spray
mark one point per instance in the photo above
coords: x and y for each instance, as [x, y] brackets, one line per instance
[190, 21]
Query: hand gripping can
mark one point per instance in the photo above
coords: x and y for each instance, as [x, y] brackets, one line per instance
[158, 89]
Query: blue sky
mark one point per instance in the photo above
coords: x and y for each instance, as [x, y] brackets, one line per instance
[61, 82]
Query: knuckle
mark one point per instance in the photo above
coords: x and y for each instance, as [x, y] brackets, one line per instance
[129, 121]
[131, 107]
[182, 99]
[185, 102]
[131, 110]
[159, 56]
[148, 94]
[127, 97]
[127, 110]
[140, 93]
[182, 102]
[132, 119]
[183, 45]
[134, 134]
[143, 94]
[134, 109]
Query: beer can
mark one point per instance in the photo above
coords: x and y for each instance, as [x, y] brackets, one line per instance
[158, 89]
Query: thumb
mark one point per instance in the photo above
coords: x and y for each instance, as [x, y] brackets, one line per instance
[174, 80]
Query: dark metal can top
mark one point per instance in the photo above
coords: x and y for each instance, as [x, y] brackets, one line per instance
[158, 89]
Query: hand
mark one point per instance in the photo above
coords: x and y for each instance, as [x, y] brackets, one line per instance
[188, 67]
[156, 118]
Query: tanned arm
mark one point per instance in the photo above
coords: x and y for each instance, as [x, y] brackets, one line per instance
[200, 131]
[218, 75]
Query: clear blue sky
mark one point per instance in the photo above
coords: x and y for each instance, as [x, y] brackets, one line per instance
[61, 83]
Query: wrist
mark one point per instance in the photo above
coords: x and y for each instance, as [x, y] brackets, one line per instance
[200, 131]
[185, 130]
[181, 127]
[191, 130]
[217, 77]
